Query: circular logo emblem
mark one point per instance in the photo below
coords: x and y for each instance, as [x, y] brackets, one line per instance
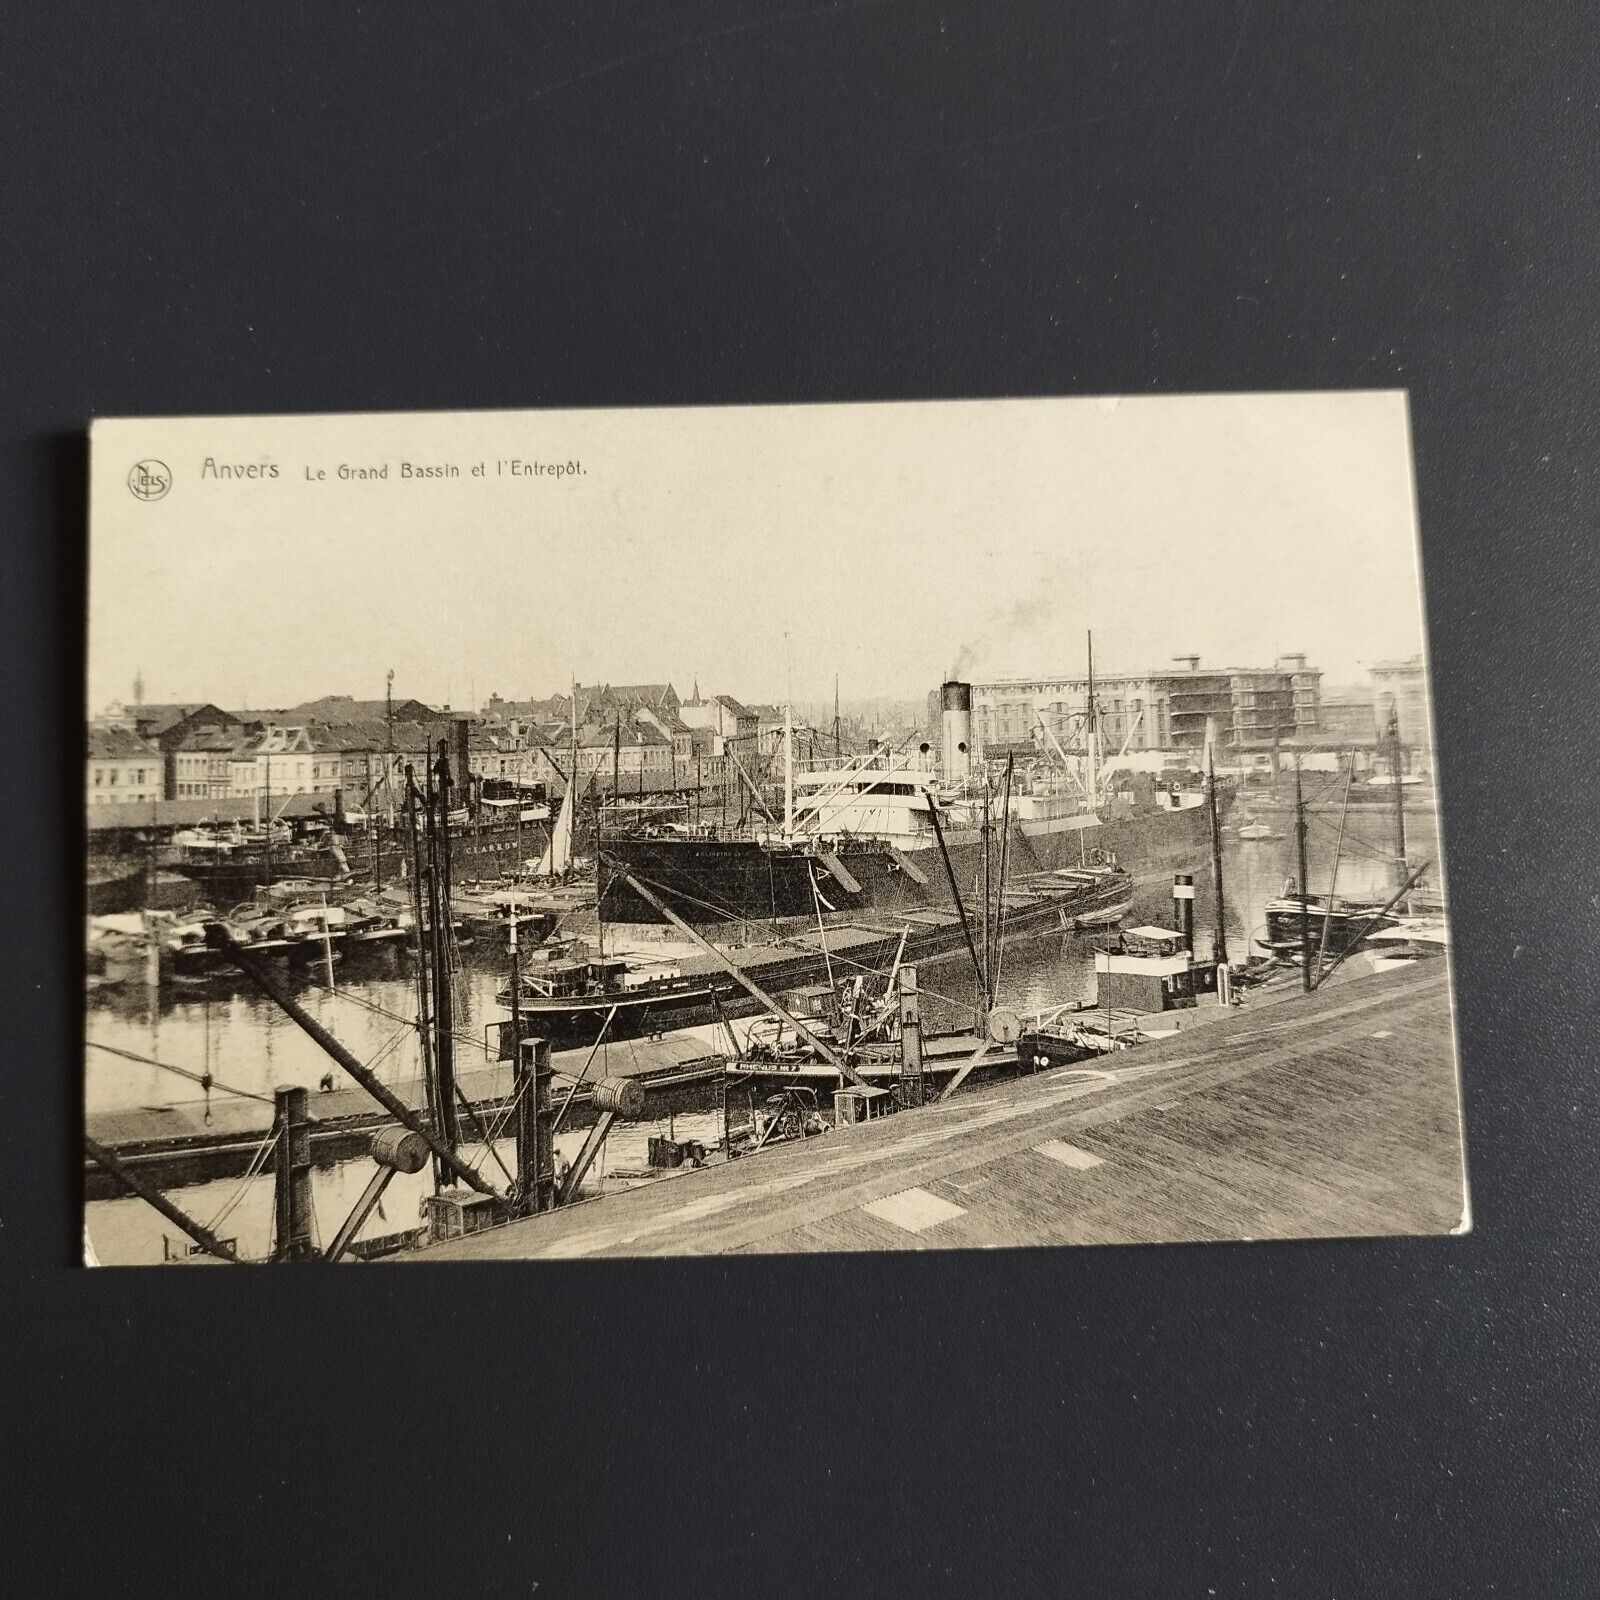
[149, 480]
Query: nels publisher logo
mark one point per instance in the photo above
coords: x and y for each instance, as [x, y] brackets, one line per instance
[149, 480]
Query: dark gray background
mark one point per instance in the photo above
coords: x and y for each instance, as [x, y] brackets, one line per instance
[322, 207]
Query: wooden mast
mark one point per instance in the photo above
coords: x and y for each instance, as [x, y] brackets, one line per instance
[988, 949]
[788, 771]
[1402, 869]
[1000, 890]
[572, 780]
[420, 935]
[443, 917]
[269, 814]
[1092, 736]
[1219, 926]
[1305, 909]
[1333, 877]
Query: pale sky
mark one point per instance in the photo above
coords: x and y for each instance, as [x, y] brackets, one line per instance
[758, 550]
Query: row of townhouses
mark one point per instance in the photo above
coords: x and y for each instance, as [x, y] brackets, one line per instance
[640, 735]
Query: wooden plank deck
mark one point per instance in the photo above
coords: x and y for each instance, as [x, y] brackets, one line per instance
[1329, 1115]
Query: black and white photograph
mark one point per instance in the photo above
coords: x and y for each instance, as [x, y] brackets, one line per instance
[876, 723]
[515, 836]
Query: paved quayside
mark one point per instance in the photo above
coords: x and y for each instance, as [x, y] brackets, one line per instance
[1330, 1114]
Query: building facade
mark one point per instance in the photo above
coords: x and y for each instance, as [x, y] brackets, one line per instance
[724, 718]
[1401, 687]
[1253, 708]
[122, 766]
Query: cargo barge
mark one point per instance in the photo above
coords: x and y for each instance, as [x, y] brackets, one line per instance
[573, 1002]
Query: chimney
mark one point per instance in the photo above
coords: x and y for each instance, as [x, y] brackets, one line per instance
[955, 701]
[1192, 662]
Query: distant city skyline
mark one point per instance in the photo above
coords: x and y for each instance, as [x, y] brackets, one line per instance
[817, 707]
[758, 551]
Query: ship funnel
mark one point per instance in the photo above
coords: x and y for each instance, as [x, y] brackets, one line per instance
[955, 700]
[1183, 904]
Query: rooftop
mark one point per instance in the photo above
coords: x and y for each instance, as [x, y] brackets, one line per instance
[185, 813]
[341, 708]
[115, 744]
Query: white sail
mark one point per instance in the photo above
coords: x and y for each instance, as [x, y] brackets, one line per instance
[557, 857]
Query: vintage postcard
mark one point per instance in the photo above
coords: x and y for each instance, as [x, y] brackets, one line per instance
[516, 835]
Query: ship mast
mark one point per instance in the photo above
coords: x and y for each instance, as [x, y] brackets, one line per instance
[788, 771]
[269, 811]
[1219, 930]
[988, 951]
[1305, 907]
[572, 780]
[1092, 735]
[1402, 871]
[788, 739]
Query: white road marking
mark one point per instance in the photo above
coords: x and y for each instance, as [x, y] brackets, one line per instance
[953, 1120]
[913, 1210]
[1069, 1155]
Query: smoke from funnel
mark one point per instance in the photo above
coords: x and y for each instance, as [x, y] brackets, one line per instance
[1004, 623]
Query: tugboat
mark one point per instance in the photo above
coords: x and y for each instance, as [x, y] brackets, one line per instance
[1069, 1036]
[573, 1000]
[1347, 923]
[1138, 974]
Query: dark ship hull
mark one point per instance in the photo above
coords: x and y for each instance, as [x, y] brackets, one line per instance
[114, 887]
[1335, 935]
[747, 880]
[486, 854]
[704, 997]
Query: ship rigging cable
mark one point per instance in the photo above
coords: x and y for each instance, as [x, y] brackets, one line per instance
[408, 1024]
[1355, 847]
[789, 942]
[206, 1080]
[257, 1162]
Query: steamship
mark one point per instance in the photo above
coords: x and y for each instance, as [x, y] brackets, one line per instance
[876, 836]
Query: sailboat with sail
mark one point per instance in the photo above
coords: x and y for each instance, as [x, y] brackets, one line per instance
[556, 860]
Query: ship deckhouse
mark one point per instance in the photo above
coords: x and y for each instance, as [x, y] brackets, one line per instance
[892, 805]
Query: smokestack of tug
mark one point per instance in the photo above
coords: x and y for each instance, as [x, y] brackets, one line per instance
[1183, 906]
[955, 699]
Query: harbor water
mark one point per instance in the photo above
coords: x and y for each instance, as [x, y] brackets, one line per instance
[245, 1044]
